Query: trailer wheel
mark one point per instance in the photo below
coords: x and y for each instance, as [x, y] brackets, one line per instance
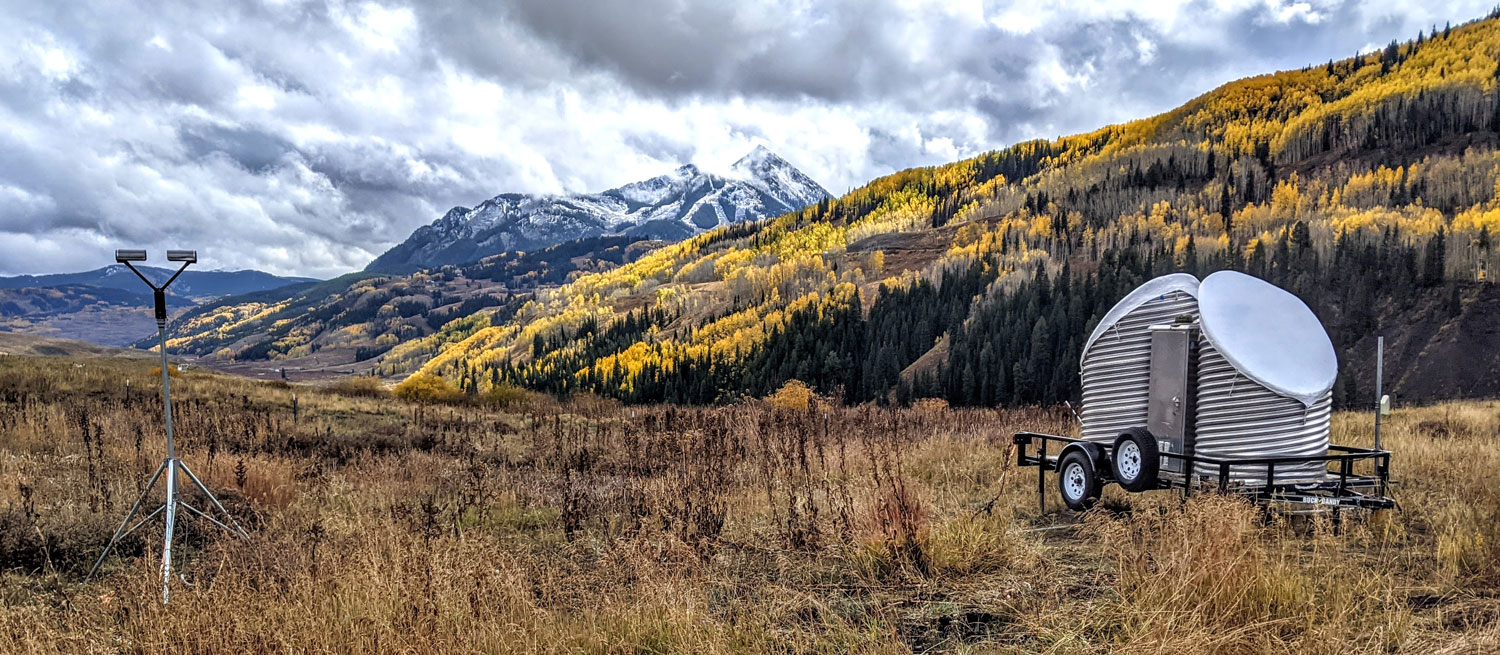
[1136, 460]
[1077, 482]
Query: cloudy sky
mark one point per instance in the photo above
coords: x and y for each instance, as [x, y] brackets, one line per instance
[305, 137]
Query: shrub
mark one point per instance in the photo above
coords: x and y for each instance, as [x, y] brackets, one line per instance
[973, 544]
[505, 396]
[793, 396]
[172, 372]
[932, 406]
[360, 387]
[427, 388]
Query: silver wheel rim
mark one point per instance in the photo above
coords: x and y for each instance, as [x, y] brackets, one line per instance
[1074, 481]
[1129, 459]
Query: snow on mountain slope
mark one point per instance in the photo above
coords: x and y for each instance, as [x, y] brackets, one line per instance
[673, 206]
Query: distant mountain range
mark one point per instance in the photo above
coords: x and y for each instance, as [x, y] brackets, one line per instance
[110, 305]
[668, 207]
[192, 284]
[510, 243]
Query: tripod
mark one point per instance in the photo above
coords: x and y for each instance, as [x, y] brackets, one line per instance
[171, 465]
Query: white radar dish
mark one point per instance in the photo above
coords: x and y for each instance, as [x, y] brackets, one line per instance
[1267, 334]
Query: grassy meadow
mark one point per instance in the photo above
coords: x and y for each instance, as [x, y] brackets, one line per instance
[380, 526]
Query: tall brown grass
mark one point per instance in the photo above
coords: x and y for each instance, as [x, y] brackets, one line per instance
[582, 525]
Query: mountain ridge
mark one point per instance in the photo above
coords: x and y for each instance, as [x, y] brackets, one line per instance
[192, 283]
[671, 206]
[110, 306]
[360, 316]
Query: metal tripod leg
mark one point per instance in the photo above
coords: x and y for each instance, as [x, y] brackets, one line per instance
[171, 465]
[120, 531]
[198, 483]
[143, 521]
[199, 513]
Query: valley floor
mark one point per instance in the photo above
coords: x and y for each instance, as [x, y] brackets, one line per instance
[380, 526]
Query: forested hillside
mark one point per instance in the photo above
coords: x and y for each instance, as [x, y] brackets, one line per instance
[1367, 186]
[362, 316]
[103, 315]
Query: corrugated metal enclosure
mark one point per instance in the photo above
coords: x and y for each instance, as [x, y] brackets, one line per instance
[1264, 378]
[1116, 360]
[1238, 417]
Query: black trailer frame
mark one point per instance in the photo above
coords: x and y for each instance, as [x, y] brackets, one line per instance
[1347, 489]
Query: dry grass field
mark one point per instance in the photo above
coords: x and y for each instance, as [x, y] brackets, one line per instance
[586, 527]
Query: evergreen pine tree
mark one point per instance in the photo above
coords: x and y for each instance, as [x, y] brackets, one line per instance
[1432, 271]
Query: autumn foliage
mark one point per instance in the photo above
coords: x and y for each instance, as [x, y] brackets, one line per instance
[1364, 181]
[426, 388]
[793, 396]
[1369, 186]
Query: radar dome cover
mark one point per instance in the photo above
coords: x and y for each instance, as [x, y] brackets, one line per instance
[1267, 334]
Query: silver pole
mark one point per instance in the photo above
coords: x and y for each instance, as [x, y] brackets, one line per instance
[1379, 376]
[171, 504]
[166, 550]
[166, 389]
[143, 521]
[199, 513]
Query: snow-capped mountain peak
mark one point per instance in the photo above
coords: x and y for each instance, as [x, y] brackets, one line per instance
[671, 206]
[779, 176]
[655, 190]
[758, 160]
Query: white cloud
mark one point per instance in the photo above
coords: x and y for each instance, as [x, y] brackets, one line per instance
[305, 137]
[380, 28]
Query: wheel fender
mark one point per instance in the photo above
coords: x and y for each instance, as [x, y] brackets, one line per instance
[1096, 456]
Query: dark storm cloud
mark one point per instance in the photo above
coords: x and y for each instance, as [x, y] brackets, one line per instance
[306, 136]
[848, 52]
[253, 150]
[841, 51]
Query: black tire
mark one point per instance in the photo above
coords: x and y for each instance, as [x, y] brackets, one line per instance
[1076, 481]
[1136, 460]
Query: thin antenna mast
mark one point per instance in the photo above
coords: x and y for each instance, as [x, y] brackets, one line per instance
[1379, 377]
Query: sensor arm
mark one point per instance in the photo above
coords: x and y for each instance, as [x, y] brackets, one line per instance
[159, 292]
[161, 297]
[174, 275]
[153, 286]
[145, 279]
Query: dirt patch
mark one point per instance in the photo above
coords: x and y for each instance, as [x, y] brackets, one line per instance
[930, 362]
[941, 626]
[1430, 355]
[906, 251]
